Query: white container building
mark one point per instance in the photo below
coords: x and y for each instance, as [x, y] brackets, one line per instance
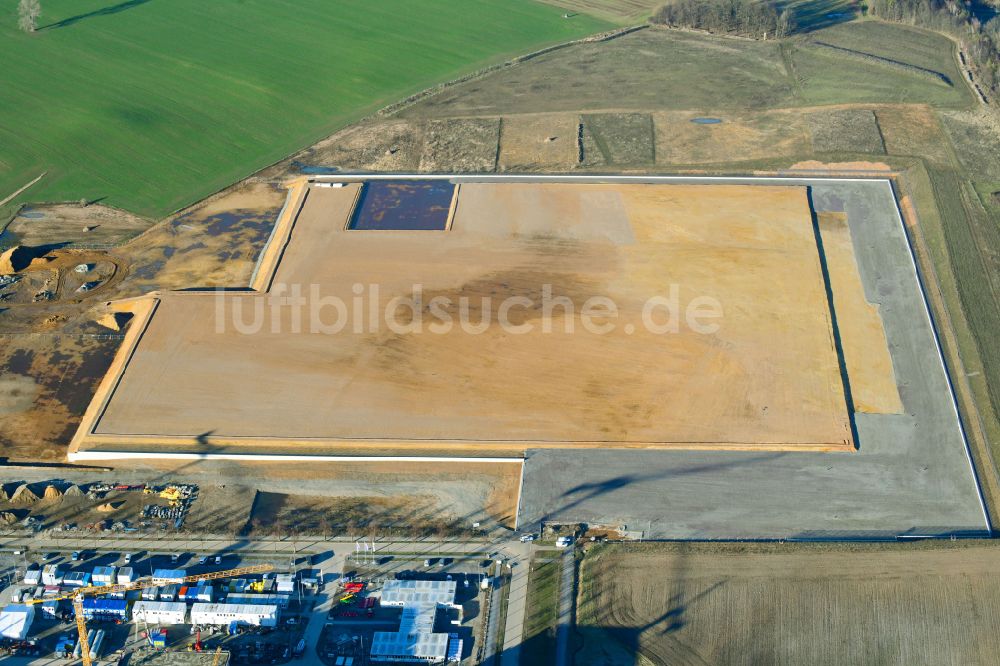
[32, 576]
[285, 583]
[77, 579]
[204, 593]
[50, 609]
[125, 576]
[15, 621]
[52, 574]
[279, 600]
[159, 612]
[409, 648]
[104, 575]
[415, 641]
[223, 614]
[165, 576]
[406, 592]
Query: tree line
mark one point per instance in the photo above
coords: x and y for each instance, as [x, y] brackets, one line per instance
[981, 41]
[749, 18]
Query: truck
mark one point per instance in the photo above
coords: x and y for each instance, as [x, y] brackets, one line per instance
[158, 639]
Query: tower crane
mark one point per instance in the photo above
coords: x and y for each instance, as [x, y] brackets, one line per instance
[78, 596]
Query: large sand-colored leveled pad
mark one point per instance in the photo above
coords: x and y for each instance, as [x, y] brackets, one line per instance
[756, 368]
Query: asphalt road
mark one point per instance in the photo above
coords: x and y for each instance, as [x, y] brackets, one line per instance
[517, 597]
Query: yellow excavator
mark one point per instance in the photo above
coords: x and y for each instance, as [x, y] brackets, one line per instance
[78, 596]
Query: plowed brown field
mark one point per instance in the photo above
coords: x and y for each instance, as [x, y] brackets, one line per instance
[813, 604]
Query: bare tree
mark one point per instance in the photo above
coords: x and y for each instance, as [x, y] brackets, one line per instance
[751, 18]
[27, 14]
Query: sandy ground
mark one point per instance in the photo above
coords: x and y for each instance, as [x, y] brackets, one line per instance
[82, 511]
[866, 351]
[914, 130]
[452, 494]
[447, 493]
[274, 513]
[379, 146]
[53, 354]
[545, 141]
[747, 604]
[460, 145]
[782, 384]
[835, 168]
[71, 223]
[212, 244]
[750, 137]
[47, 381]
[54, 274]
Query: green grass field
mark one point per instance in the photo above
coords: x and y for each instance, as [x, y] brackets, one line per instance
[649, 69]
[153, 105]
[913, 46]
[670, 69]
[828, 78]
[542, 613]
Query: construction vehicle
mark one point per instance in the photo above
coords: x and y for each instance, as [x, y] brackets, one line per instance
[78, 596]
[198, 645]
[157, 639]
[170, 493]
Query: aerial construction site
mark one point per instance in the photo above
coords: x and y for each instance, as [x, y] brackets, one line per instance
[571, 332]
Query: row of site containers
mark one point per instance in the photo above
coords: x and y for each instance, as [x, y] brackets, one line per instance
[53, 574]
